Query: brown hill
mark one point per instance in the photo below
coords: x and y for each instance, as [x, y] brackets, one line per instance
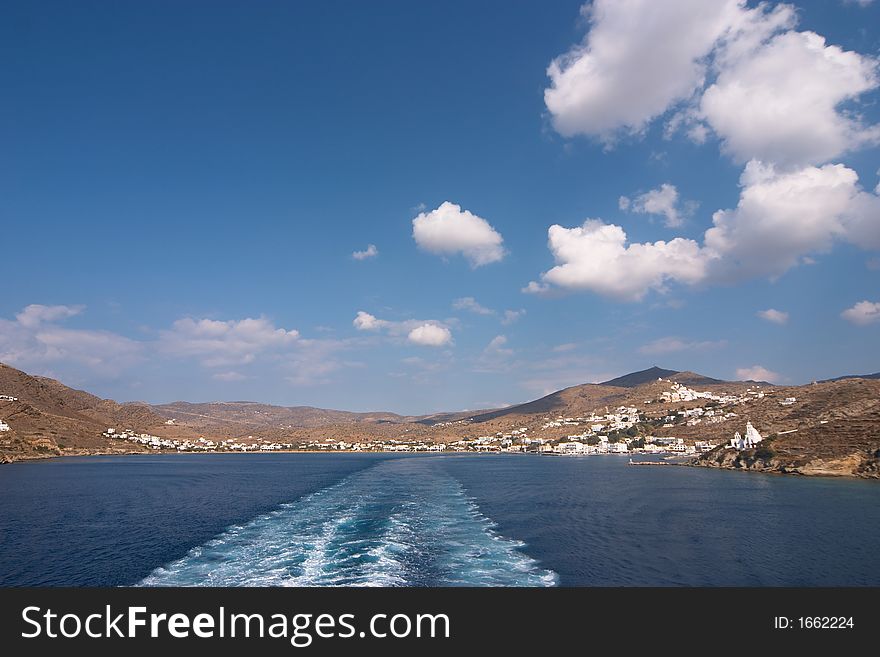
[832, 428]
[49, 418]
[245, 418]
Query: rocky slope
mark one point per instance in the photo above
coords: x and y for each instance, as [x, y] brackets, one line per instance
[832, 429]
[51, 419]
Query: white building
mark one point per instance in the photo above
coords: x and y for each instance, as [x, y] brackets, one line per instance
[750, 440]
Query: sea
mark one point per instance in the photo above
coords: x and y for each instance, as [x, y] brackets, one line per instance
[427, 520]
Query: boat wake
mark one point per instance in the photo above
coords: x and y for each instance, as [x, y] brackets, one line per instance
[402, 522]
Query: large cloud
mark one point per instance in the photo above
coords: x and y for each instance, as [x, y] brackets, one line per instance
[781, 102]
[767, 91]
[638, 59]
[449, 230]
[596, 257]
[784, 216]
[781, 218]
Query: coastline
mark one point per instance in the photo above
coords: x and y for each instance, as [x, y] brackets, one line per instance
[691, 462]
[844, 468]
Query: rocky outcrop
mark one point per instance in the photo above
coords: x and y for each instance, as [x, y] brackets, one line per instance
[857, 464]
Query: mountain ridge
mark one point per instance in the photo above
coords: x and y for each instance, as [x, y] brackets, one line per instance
[51, 419]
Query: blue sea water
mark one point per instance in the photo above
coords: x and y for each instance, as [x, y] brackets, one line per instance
[440, 520]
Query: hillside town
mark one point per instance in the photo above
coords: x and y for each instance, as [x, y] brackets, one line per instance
[626, 429]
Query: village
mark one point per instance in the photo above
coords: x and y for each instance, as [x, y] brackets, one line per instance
[623, 430]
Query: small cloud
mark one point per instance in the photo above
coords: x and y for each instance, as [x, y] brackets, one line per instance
[470, 304]
[873, 264]
[757, 373]
[496, 344]
[535, 288]
[511, 316]
[563, 348]
[370, 252]
[662, 201]
[430, 335]
[773, 315]
[364, 321]
[449, 230]
[863, 313]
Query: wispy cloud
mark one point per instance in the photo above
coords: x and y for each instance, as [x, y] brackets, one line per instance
[773, 315]
[670, 345]
[471, 305]
[370, 252]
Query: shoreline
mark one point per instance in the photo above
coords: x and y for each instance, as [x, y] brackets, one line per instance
[674, 461]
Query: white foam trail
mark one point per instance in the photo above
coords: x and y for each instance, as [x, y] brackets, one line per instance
[402, 522]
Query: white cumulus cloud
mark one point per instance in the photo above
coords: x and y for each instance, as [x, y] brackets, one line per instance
[768, 91]
[448, 230]
[429, 332]
[596, 257]
[781, 102]
[781, 218]
[430, 335]
[364, 321]
[638, 58]
[863, 313]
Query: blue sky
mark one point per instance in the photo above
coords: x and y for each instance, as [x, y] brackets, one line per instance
[183, 187]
